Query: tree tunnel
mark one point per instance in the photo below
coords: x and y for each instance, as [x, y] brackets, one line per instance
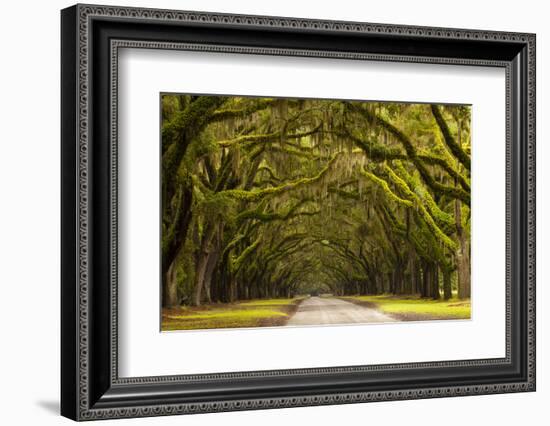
[266, 198]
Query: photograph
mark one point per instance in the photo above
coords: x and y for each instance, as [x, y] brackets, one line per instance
[309, 212]
[273, 208]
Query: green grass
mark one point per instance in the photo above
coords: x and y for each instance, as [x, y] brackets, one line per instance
[414, 308]
[230, 315]
[253, 313]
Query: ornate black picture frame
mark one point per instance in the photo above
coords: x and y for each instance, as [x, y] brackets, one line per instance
[91, 36]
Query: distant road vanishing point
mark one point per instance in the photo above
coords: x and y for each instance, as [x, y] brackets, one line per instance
[330, 310]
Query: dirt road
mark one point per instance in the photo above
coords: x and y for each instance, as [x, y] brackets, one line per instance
[330, 310]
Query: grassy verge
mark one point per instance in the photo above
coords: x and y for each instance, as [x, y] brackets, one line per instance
[250, 313]
[409, 308]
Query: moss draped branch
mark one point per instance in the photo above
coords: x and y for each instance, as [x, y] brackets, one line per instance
[412, 155]
[269, 137]
[237, 262]
[378, 152]
[259, 194]
[292, 212]
[232, 113]
[384, 185]
[455, 148]
[424, 213]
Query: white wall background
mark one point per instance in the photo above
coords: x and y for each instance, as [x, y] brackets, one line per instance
[29, 211]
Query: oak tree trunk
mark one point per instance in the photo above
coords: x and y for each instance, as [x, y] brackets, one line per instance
[447, 289]
[170, 288]
[462, 256]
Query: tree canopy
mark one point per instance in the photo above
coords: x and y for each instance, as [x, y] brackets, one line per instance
[275, 197]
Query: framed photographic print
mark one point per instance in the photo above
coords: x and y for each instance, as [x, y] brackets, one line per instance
[263, 212]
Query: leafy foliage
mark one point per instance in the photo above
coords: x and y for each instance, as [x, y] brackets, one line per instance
[266, 198]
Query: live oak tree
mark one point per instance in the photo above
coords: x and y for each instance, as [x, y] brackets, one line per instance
[267, 198]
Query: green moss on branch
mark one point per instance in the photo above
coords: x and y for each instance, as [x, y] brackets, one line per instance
[384, 185]
[455, 148]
